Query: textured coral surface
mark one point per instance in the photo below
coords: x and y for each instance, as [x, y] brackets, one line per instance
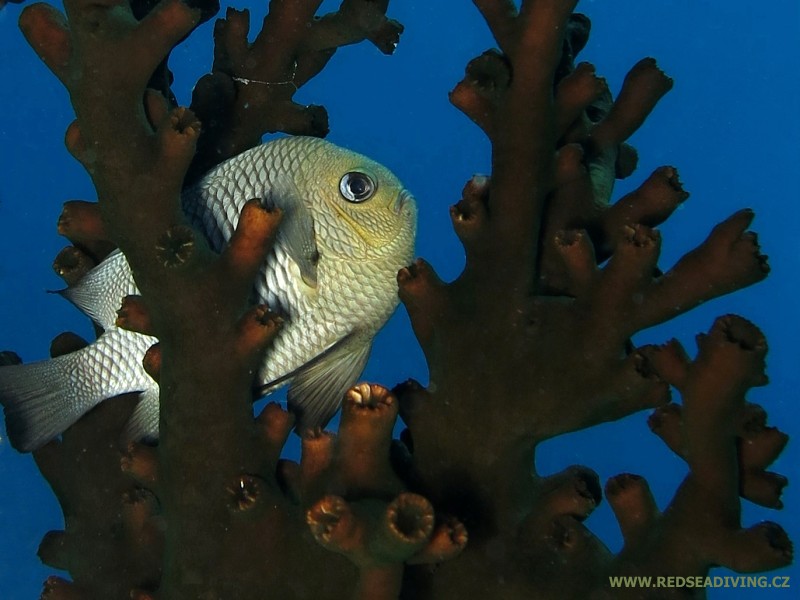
[531, 341]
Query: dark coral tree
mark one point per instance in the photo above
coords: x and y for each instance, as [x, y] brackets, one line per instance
[555, 328]
[531, 341]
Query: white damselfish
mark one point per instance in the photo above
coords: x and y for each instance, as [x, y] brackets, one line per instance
[348, 226]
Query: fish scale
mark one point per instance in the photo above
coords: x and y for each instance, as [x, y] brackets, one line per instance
[331, 273]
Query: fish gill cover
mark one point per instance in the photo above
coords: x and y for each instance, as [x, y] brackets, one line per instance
[529, 342]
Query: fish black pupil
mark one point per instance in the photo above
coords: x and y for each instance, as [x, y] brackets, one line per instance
[356, 187]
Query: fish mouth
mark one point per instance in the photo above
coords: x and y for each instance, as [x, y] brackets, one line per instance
[403, 198]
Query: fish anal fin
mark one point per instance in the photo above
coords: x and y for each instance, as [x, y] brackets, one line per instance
[267, 388]
[317, 388]
[143, 424]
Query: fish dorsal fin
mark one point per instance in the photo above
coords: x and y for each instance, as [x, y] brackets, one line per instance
[296, 234]
[318, 386]
[99, 293]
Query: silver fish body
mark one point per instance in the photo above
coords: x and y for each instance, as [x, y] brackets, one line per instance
[348, 226]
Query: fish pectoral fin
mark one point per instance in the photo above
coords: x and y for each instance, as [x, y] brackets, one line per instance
[296, 234]
[318, 387]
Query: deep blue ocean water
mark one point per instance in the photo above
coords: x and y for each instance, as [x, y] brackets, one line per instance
[730, 125]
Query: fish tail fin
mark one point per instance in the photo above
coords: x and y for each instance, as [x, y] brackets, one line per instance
[42, 399]
[99, 293]
[38, 401]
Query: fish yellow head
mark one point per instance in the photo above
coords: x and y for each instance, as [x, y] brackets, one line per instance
[361, 210]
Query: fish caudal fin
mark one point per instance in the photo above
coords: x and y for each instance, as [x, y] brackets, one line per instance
[42, 399]
[36, 402]
[318, 387]
[100, 292]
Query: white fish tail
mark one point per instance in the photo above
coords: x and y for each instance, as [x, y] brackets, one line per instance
[39, 402]
[42, 399]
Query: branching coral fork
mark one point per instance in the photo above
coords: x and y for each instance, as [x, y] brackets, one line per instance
[706, 508]
[379, 537]
[113, 126]
[251, 87]
[520, 83]
[372, 521]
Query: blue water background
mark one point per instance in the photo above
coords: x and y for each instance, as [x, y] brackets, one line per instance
[730, 125]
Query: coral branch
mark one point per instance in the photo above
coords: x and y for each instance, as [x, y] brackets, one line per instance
[424, 296]
[371, 533]
[57, 588]
[448, 540]
[575, 492]
[355, 21]
[81, 223]
[534, 304]
[251, 87]
[133, 315]
[54, 550]
[521, 163]
[138, 147]
[651, 204]
[46, 30]
[141, 462]
[90, 513]
[274, 425]
[728, 260]
[576, 92]
[634, 506]
[72, 264]
[705, 511]
[249, 245]
[500, 15]
[479, 94]
[368, 415]
[256, 331]
[758, 447]
[66, 342]
[644, 86]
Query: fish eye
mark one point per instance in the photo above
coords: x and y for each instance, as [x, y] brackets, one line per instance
[357, 187]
